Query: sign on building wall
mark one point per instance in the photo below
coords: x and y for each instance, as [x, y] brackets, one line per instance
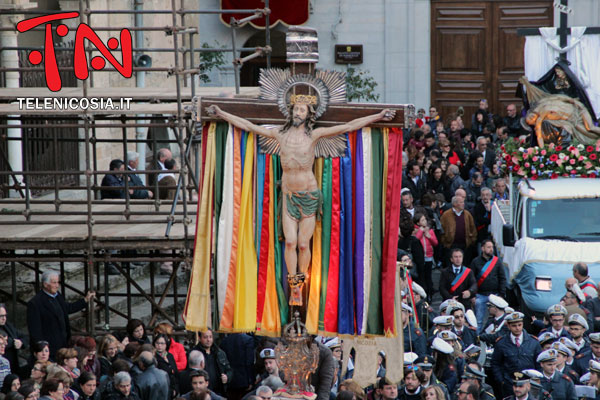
[348, 53]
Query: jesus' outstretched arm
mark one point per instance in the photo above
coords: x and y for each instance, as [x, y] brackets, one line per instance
[384, 115]
[240, 122]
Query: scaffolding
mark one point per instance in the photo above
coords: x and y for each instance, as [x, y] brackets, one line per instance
[82, 228]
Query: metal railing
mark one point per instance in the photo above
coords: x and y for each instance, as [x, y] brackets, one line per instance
[83, 206]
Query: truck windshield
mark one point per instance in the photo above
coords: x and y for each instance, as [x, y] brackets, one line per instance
[577, 219]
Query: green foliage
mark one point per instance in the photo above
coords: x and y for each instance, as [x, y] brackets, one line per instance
[209, 60]
[360, 85]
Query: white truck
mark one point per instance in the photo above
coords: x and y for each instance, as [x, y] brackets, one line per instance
[550, 225]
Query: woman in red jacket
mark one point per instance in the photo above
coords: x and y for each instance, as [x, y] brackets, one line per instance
[175, 348]
[429, 241]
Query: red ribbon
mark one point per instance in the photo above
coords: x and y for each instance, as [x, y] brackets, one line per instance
[331, 305]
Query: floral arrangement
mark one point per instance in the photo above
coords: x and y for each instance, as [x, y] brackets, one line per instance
[551, 161]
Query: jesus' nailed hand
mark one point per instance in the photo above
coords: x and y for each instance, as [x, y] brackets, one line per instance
[302, 198]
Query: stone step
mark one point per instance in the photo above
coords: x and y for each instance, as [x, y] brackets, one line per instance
[118, 301]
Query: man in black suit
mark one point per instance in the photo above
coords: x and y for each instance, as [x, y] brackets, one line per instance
[457, 281]
[413, 181]
[489, 156]
[15, 340]
[133, 160]
[113, 184]
[48, 313]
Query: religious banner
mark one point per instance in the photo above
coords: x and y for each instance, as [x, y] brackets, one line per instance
[350, 284]
[287, 12]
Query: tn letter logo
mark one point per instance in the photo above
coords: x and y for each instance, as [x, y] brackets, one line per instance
[80, 58]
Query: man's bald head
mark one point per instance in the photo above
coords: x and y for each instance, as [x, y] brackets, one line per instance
[461, 193]
[164, 154]
[146, 358]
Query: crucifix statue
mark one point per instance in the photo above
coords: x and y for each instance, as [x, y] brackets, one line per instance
[301, 114]
[298, 143]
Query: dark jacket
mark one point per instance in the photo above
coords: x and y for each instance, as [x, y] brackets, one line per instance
[11, 353]
[48, 319]
[223, 367]
[495, 283]
[417, 190]
[470, 284]
[508, 358]
[117, 183]
[414, 340]
[239, 348]
[109, 392]
[411, 244]
[500, 329]
[185, 382]
[468, 336]
[561, 386]
[170, 367]
[135, 180]
[213, 396]
[153, 384]
[483, 219]
[322, 379]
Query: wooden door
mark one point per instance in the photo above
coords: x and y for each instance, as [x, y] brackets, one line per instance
[476, 52]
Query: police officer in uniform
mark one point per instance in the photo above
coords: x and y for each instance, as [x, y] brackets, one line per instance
[594, 377]
[426, 364]
[582, 360]
[546, 339]
[414, 340]
[559, 385]
[444, 368]
[476, 377]
[537, 391]
[466, 333]
[441, 323]
[425, 312]
[513, 353]
[495, 325]
[520, 387]
[577, 328]
[563, 354]
[557, 314]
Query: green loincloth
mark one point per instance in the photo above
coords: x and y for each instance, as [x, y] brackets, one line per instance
[304, 204]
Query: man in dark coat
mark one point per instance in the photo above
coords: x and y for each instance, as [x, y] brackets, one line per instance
[15, 340]
[513, 353]
[239, 348]
[413, 181]
[215, 363]
[153, 383]
[133, 161]
[491, 279]
[116, 189]
[322, 379]
[48, 313]
[457, 281]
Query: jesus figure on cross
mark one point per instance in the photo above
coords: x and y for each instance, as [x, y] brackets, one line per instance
[297, 142]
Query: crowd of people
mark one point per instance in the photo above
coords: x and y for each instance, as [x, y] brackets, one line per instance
[113, 184]
[473, 346]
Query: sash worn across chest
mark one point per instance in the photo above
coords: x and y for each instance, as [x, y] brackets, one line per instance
[460, 278]
[487, 270]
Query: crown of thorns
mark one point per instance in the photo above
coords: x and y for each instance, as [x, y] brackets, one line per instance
[303, 99]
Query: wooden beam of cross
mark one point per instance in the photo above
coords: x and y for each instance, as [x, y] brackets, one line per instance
[267, 112]
[563, 30]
